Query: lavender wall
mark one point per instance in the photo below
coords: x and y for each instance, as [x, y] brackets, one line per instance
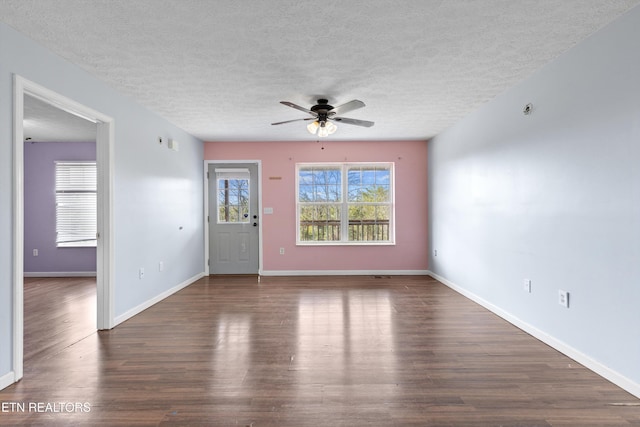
[40, 209]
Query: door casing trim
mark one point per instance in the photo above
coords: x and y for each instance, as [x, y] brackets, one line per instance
[105, 253]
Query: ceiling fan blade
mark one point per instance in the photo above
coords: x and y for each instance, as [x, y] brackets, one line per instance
[349, 106]
[297, 107]
[294, 120]
[356, 122]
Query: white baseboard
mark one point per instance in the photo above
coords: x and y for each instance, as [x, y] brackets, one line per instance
[344, 273]
[7, 379]
[597, 367]
[60, 274]
[140, 308]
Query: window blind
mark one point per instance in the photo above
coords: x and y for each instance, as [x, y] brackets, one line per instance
[76, 204]
[227, 173]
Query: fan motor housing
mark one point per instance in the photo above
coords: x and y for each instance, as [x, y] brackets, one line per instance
[322, 106]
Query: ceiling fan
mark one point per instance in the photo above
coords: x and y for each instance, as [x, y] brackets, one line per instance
[324, 114]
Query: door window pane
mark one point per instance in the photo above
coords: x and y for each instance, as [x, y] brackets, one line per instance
[233, 200]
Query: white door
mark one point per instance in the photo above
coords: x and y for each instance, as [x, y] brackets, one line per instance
[233, 218]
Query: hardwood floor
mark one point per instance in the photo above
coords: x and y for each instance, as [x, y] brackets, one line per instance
[330, 351]
[58, 312]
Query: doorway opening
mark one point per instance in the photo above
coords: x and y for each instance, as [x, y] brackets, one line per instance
[104, 137]
[59, 229]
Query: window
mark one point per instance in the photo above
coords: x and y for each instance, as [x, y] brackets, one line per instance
[345, 203]
[233, 195]
[76, 204]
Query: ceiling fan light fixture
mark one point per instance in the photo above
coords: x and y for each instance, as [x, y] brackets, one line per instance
[324, 115]
[313, 127]
[323, 131]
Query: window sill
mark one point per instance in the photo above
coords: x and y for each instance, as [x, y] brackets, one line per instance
[345, 243]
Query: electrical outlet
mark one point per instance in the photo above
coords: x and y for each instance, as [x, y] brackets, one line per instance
[141, 273]
[35, 252]
[526, 285]
[563, 298]
[281, 251]
[435, 252]
[161, 266]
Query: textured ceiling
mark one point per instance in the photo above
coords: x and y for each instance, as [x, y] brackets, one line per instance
[44, 123]
[218, 69]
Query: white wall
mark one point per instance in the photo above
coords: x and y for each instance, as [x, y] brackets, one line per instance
[553, 197]
[156, 190]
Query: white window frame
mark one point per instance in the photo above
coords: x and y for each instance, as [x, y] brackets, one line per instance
[78, 188]
[344, 204]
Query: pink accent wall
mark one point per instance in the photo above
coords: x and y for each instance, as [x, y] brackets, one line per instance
[279, 229]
